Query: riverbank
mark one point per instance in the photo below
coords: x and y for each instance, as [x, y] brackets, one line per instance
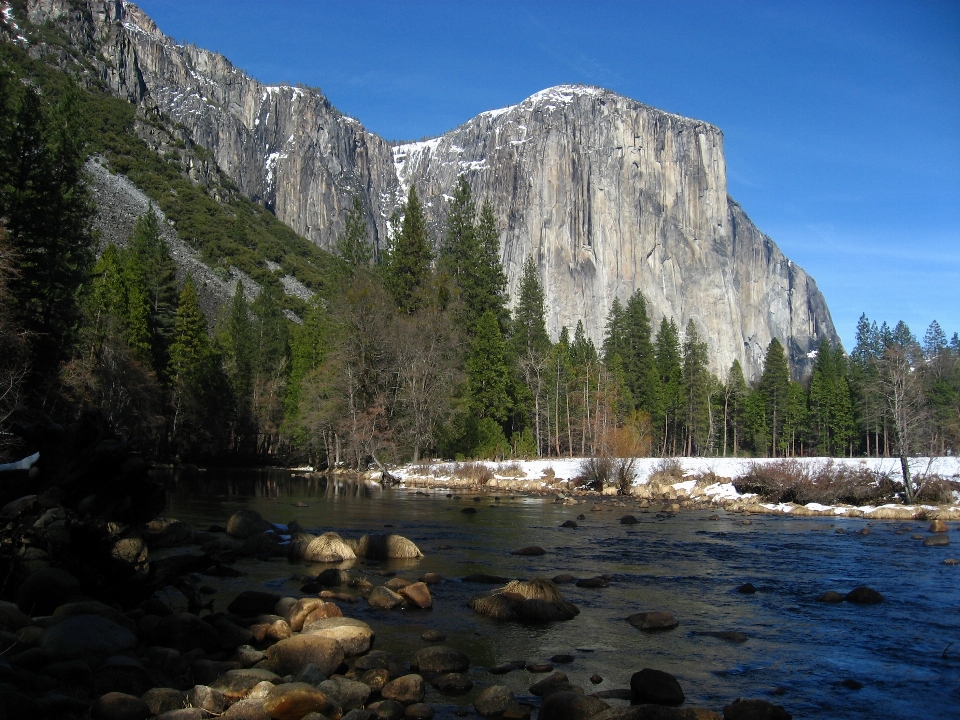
[681, 483]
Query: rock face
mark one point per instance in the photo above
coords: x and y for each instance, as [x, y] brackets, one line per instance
[606, 194]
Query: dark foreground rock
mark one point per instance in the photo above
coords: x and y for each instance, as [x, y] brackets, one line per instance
[655, 687]
[742, 709]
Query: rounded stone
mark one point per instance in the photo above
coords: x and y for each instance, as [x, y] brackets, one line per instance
[653, 621]
[161, 700]
[936, 541]
[628, 520]
[186, 632]
[742, 709]
[292, 701]
[863, 595]
[569, 705]
[119, 706]
[433, 636]
[453, 684]
[405, 689]
[747, 589]
[531, 551]
[84, 635]
[418, 711]
[290, 656]
[417, 594]
[831, 596]
[348, 694]
[439, 659]
[384, 598]
[248, 709]
[251, 603]
[45, 590]
[354, 636]
[655, 687]
[244, 523]
[494, 700]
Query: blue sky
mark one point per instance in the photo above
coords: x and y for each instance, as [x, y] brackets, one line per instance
[841, 120]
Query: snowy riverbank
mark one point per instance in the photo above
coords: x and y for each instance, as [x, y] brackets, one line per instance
[697, 482]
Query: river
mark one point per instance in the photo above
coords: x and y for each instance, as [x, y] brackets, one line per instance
[798, 650]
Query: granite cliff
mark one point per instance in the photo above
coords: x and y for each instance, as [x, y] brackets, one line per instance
[607, 194]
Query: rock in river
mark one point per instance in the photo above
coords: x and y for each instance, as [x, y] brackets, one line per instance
[863, 595]
[653, 621]
[655, 687]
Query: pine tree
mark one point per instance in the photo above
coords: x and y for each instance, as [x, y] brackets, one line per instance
[200, 394]
[159, 274]
[352, 248]
[238, 345]
[407, 269]
[492, 281]
[831, 406]
[671, 401]
[735, 396]
[529, 344]
[696, 389]
[774, 387]
[46, 207]
[934, 340]
[488, 374]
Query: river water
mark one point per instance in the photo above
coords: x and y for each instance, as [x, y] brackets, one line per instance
[798, 650]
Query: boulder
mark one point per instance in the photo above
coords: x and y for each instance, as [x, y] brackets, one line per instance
[494, 700]
[323, 611]
[453, 684]
[387, 710]
[291, 655]
[85, 635]
[251, 603]
[118, 706]
[161, 700]
[237, 684]
[430, 578]
[569, 524]
[418, 711]
[292, 701]
[12, 618]
[406, 689]
[384, 598]
[532, 551]
[355, 637]
[326, 548]
[207, 698]
[863, 595]
[186, 632]
[386, 546]
[396, 583]
[747, 589]
[417, 594]
[936, 541]
[653, 621]
[246, 710]
[244, 523]
[549, 684]
[123, 674]
[628, 520]
[332, 577]
[206, 671]
[299, 611]
[742, 709]
[594, 582]
[229, 634]
[830, 596]
[439, 659]
[375, 679]
[938, 526]
[655, 687]
[564, 578]
[348, 694]
[45, 590]
[433, 636]
[570, 706]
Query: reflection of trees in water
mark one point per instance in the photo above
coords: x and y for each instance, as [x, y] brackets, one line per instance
[268, 483]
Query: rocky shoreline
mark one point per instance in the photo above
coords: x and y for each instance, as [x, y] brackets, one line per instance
[69, 655]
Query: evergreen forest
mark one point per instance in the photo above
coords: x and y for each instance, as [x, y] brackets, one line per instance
[415, 352]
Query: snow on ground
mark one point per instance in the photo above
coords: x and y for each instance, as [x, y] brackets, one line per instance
[547, 474]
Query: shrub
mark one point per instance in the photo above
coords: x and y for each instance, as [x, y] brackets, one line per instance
[668, 471]
[936, 490]
[474, 471]
[827, 484]
[595, 472]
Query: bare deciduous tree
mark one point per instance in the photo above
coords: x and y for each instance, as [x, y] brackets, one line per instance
[901, 394]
